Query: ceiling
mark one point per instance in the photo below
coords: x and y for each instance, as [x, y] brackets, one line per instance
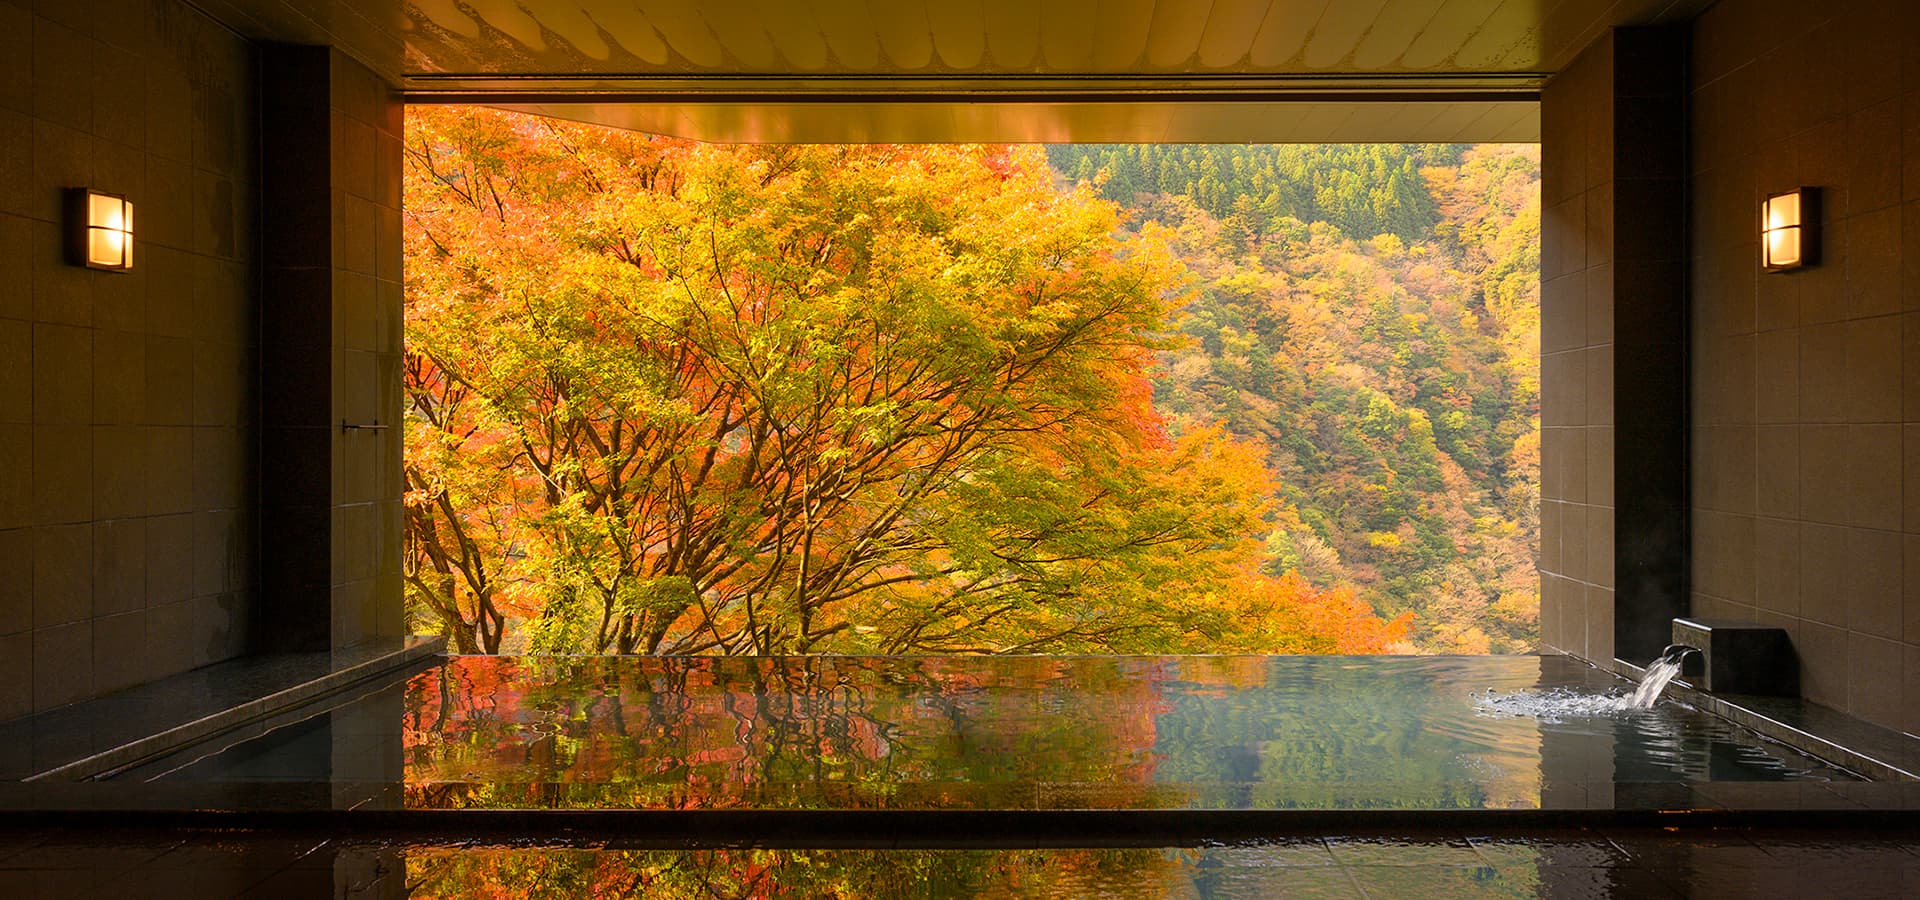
[1014, 70]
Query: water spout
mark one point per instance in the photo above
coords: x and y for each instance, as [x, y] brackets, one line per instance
[1659, 674]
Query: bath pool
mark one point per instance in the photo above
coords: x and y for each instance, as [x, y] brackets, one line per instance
[1193, 732]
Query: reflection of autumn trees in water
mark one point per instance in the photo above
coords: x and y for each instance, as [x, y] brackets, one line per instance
[788, 732]
[926, 732]
[549, 873]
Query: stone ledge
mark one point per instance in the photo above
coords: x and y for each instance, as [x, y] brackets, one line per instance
[1856, 745]
[88, 739]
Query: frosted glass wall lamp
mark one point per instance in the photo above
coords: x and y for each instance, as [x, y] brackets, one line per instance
[1790, 230]
[99, 230]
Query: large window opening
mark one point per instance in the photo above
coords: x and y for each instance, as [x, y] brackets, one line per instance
[667, 397]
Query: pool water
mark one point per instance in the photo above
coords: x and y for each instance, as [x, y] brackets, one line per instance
[1191, 732]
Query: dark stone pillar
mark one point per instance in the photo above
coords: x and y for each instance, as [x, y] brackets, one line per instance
[330, 363]
[1613, 333]
[1650, 252]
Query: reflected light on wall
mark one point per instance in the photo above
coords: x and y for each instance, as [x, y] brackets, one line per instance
[1789, 230]
[100, 230]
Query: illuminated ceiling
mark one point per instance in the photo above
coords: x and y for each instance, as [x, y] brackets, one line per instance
[1049, 70]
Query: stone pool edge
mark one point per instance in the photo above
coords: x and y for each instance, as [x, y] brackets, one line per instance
[1858, 746]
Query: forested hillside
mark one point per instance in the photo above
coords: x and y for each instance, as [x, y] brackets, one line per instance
[1370, 314]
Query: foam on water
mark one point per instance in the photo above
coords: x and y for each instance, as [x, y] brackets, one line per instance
[1553, 705]
[1560, 704]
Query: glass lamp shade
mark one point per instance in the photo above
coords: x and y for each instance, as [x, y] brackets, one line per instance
[102, 230]
[1787, 230]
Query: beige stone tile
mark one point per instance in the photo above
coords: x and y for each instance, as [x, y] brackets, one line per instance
[16, 580]
[1600, 547]
[1823, 664]
[119, 566]
[120, 651]
[1777, 376]
[1776, 555]
[169, 470]
[1724, 468]
[1824, 456]
[63, 665]
[16, 675]
[16, 476]
[1875, 681]
[169, 559]
[16, 242]
[1874, 498]
[16, 371]
[169, 381]
[119, 471]
[1873, 262]
[1872, 583]
[1777, 470]
[1910, 689]
[1823, 562]
[62, 375]
[1823, 373]
[62, 575]
[62, 473]
[1550, 536]
[1599, 609]
[119, 378]
[1598, 304]
[1599, 465]
[222, 552]
[220, 477]
[1873, 144]
[1573, 541]
[1910, 587]
[1873, 361]
[1723, 548]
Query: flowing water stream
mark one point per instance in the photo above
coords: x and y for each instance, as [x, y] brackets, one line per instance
[1559, 704]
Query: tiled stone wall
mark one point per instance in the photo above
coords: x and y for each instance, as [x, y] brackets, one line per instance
[1576, 357]
[1807, 385]
[331, 516]
[1614, 482]
[127, 412]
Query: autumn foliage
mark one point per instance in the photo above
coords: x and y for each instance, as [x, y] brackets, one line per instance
[668, 397]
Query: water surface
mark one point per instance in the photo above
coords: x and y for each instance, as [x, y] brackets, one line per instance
[1288, 732]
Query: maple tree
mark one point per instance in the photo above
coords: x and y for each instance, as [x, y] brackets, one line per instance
[668, 397]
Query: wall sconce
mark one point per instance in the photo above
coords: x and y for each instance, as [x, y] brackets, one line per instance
[1790, 230]
[100, 230]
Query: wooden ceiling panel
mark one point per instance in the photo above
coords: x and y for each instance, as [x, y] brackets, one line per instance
[905, 35]
[849, 35]
[1231, 27]
[1385, 43]
[1340, 30]
[1038, 70]
[1066, 43]
[1175, 34]
[1284, 31]
[443, 40]
[794, 32]
[1013, 33]
[959, 33]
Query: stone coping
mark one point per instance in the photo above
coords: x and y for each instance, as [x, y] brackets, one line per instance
[1856, 745]
[91, 738]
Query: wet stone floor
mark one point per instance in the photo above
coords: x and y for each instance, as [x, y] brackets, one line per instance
[1637, 863]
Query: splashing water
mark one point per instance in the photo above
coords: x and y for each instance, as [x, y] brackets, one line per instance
[1660, 673]
[1559, 704]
